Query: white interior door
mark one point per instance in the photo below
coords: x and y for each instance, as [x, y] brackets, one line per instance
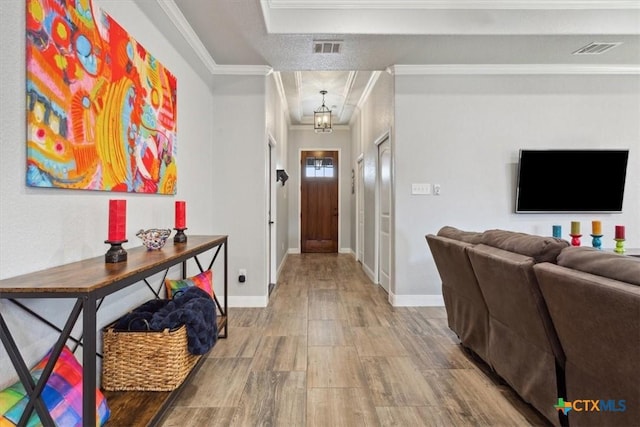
[360, 200]
[384, 211]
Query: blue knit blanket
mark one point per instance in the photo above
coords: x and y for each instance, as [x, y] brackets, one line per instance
[193, 308]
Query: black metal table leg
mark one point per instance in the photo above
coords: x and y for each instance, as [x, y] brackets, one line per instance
[65, 333]
[34, 391]
[226, 298]
[22, 371]
[89, 362]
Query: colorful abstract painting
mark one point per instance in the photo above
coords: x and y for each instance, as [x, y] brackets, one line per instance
[101, 110]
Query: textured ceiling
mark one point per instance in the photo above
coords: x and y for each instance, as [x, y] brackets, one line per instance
[234, 32]
[377, 34]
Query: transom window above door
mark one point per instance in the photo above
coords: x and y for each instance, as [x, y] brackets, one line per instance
[319, 167]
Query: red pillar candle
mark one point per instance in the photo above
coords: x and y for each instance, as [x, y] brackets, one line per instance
[117, 220]
[181, 213]
[620, 232]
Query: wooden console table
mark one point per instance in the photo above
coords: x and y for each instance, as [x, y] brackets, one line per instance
[89, 282]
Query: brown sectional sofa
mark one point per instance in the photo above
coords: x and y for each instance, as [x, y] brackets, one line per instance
[467, 312]
[523, 346]
[550, 319]
[594, 302]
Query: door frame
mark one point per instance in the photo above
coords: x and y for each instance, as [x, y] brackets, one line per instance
[386, 135]
[359, 195]
[299, 161]
[271, 205]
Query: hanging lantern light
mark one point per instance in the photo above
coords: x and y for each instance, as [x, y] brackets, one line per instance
[322, 117]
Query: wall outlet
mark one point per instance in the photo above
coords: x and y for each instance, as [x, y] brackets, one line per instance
[436, 189]
[242, 275]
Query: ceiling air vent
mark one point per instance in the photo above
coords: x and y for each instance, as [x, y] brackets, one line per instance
[327, 46]
[596, 48]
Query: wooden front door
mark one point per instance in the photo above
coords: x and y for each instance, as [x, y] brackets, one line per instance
[319, 201]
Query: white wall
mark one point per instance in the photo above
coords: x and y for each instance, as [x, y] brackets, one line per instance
[464, 132]
[277, 128]
[356, 149]
[307, 139]
[42, 228]
[239, 165]
[375, 119]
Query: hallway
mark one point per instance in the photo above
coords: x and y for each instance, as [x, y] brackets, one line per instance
[331, 351]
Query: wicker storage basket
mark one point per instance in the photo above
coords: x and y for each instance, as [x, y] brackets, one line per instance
[145, 361]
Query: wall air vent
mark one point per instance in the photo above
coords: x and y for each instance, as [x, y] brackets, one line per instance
[327, 46]
[596, 48]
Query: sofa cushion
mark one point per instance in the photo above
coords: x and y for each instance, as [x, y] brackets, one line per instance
[540, 248]
[601, 263]
[523, 346]
[472, 237]
[596, 319]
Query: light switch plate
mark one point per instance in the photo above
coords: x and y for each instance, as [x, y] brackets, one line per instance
[421, 188]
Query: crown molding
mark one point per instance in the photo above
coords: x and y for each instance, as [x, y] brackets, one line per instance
[483, 69]
[177, 18]
[371, 83]
[265, 6]
[368, 88]
[298, 81]
[448, 4]
[277, 78]
[348, 87]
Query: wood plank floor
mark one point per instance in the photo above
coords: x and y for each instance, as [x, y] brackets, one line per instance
[331, 351]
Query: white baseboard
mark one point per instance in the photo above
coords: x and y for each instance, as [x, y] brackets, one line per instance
[416, 300]
[341, 250]
[284, 259]
[248, 301]
[369, 272]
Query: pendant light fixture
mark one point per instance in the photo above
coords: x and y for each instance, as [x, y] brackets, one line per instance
[322, 117]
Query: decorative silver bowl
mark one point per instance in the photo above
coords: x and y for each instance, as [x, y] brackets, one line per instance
[154, 238]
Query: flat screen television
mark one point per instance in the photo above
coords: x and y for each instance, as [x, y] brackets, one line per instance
[571, 181]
